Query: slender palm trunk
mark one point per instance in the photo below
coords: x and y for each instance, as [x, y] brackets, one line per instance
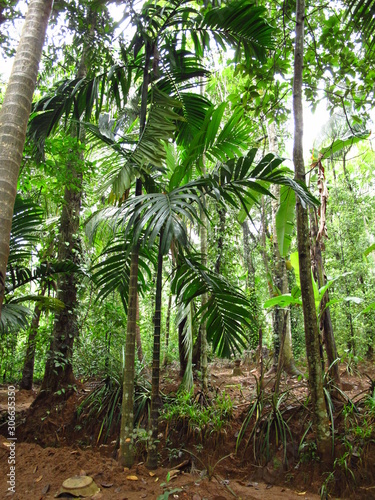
[126, 453]
[138, 334]
[152, 456]
[28, 366]
[167, 328]
[14, 116]
[320, 420]
[204, 299]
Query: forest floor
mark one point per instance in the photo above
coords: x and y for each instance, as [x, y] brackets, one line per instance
[51, 447]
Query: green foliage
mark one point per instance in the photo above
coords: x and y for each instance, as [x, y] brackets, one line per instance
[196, 417]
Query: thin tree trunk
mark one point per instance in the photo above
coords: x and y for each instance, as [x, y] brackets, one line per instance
[181, 348]
[28, 366]
[167, 328]
[152, 455]
[204, 299]
[281, 319]
[325, 319]
[14, 115]
[138, 334]
[320, 420]
[220, 239]
[126, 452]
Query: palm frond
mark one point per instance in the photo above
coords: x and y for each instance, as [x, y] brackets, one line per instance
[152, 212]
[14, 316]
[18, 276]
[111, 272]
[227, 311]
[129, 156]
[241, 25]
[77, 99]
[362, 14]
[26, 226]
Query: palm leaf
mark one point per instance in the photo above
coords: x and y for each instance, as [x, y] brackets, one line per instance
[241, 25]
[227, 310]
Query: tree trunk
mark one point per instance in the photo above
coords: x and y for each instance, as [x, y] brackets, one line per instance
[250, 285]
[126, 452]
[204, 299]
[14, 115]
[28, 367]
[138, 334]
[59, 368]
[320, 420]
[325, 319]
[282, 332]
[181, 348]
[167, 328]
[152, 455]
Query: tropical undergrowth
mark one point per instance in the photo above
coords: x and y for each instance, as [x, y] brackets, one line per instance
[101, 409]
[196, 418]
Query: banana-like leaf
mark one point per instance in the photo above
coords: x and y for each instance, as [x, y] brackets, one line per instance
[339, 144]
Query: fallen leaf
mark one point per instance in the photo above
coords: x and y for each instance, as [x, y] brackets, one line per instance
[46, 489]
[132, 478]
[74, 452]
[173, 473]
[82, 473]
[35, 469]
[38, 479]
[302, 493]
[157, 479]
[152, 474]
[126, 469]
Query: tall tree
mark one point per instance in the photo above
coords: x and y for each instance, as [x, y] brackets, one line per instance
[14, 116]
[59, 366]
[320, 419]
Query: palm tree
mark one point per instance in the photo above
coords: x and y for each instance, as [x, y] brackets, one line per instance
[14, 115]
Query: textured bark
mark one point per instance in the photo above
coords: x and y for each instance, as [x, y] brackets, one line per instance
[59, 367]
[152, 455]
[28, 366]
[319, 413]
[14, 116]
[325, 320]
